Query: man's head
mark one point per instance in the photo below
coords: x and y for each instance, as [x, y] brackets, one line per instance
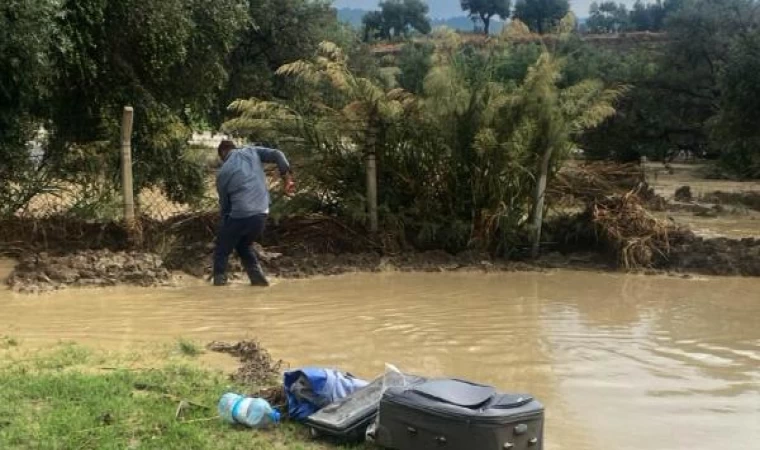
[225, 147]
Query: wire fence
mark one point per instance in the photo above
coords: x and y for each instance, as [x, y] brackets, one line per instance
[102, 201]
[98, 198]
[107, 204]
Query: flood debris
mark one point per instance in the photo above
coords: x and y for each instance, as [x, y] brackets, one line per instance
[593, 180]
[631, 232]
[276, 397]
[639, 240]
[257, 368]
[40, 272]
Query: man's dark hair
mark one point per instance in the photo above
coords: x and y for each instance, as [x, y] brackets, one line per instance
[225, 146]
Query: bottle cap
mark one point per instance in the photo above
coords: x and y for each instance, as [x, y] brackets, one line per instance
[275, 416]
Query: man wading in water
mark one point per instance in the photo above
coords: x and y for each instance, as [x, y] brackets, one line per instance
[244, 204]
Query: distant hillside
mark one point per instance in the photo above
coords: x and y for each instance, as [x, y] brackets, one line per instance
[354, 16]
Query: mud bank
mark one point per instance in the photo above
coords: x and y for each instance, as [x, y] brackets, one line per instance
[614, 233]
[718, 256]
[43, 272]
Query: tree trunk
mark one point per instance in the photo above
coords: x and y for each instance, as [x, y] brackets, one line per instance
[538, 202]
[486, 24]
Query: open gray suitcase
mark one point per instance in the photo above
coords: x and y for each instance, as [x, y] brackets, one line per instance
[347, 419]
[458, 415]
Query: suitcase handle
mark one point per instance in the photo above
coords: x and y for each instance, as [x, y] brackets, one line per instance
[411, 430]
[440, 440]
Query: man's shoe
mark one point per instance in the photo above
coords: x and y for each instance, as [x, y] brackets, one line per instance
[220, 280]
[256, 275]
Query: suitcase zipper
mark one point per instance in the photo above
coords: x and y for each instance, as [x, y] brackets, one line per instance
[468, 419]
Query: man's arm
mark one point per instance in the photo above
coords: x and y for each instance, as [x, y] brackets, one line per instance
[272, 156]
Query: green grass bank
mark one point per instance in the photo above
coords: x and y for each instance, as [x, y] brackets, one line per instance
[69, 396]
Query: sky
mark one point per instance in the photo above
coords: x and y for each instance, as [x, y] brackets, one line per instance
[449, 8]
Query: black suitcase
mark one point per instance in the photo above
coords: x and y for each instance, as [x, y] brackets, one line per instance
[458, 415]
[346, 420]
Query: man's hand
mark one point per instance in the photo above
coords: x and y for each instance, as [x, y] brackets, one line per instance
[289, 185]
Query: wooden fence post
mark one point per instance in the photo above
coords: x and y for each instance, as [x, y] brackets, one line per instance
[372, 191]
[127, 186]
[370, 149]
[537, 216]
[644, 169]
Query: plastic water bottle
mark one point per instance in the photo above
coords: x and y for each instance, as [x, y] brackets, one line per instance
[251, 412]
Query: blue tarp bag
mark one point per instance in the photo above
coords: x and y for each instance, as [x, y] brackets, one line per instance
[311, 389]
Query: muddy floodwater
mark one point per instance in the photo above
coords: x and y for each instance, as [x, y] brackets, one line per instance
[621, 362]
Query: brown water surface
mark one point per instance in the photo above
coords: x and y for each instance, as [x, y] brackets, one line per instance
[621, 362]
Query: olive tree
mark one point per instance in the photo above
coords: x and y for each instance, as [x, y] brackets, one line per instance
[485, 10]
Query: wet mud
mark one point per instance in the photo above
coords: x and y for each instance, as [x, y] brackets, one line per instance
[42, 272]
[687, 254]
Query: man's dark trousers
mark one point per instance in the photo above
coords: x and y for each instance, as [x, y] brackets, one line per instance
[238, 235]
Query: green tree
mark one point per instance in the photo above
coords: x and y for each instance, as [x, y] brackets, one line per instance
[414, 63]
[396, 18]
[276, 32]
[703, 32]
[642, 18]
[164, 57]
[688, 71]
[457, 165]
[26, 33]
[416, 16]
[485, 10]
[542, 16]
[735, 128]
[505, 144]
[374, 26]
[355, 107]
[607, 17]
[651, 16]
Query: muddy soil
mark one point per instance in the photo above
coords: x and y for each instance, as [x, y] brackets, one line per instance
[38, 273]
[748, 199]
[41, 273]
[575, 246]
[717, 256]
[92, 268]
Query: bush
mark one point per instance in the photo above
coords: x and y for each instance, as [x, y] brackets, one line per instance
[457, 165]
